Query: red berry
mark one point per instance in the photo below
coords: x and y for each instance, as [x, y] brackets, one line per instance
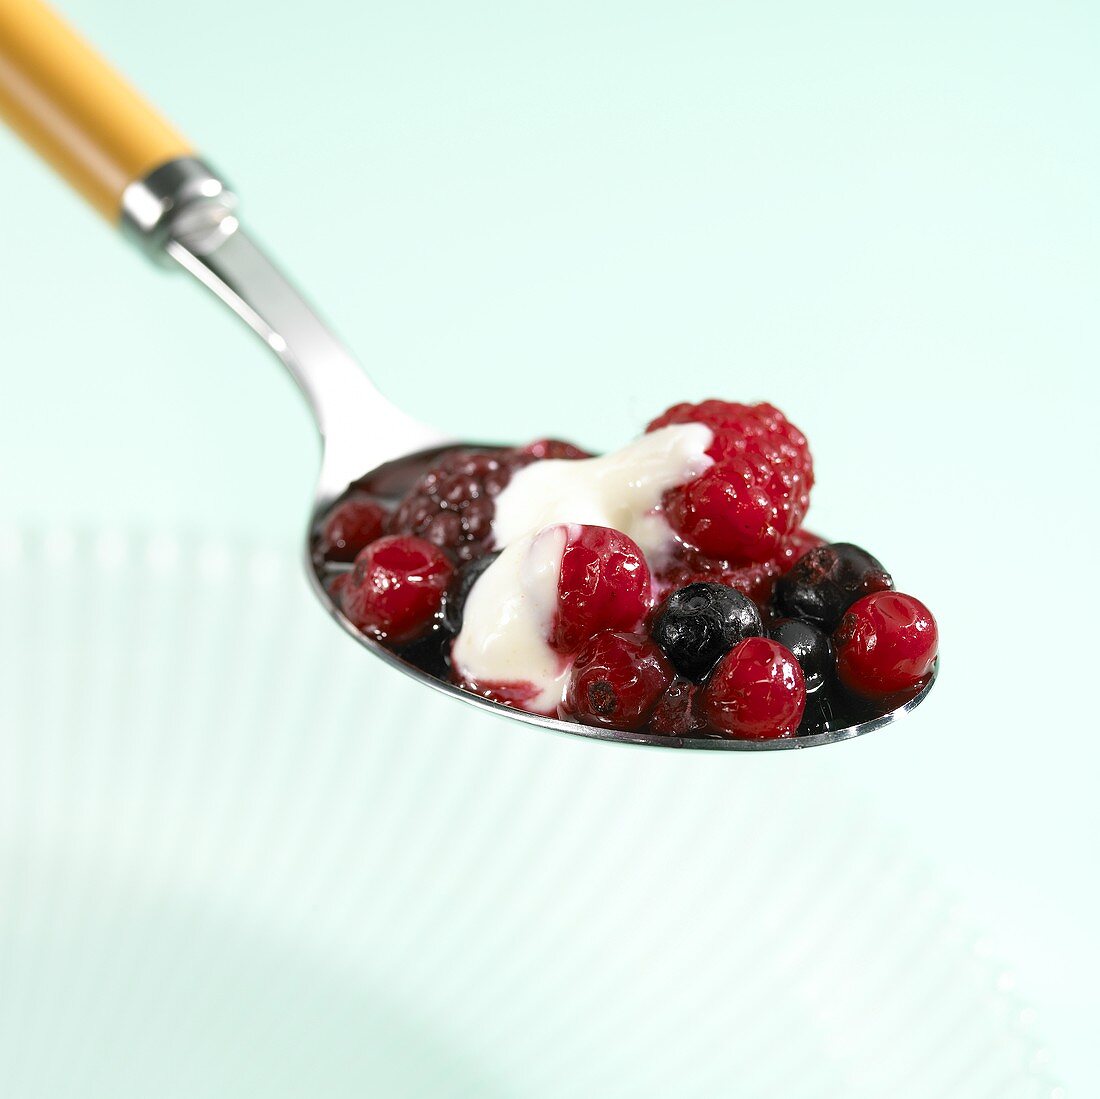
[755, 494]
[554, 448]
[350, 526]
[603, 585]
[677, 712]
[396, 588]
[885, 643]
[616, 681]
[756, 693]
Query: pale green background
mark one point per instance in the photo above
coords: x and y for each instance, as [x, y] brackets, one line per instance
[560, 218]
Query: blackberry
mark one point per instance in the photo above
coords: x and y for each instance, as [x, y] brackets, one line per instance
[826, 581]
[451, 505]
[697, 625]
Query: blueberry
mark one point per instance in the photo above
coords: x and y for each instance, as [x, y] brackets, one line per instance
[697, 625]
[455, 602]
[827, 581]
[811, 648]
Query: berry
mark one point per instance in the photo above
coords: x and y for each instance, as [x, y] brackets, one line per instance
[554, 448]
[396, 588]
[616, 681]
[603, 585]
[756, 693]
[809, 646]
[827, 581]
[886, 643]
[697, 625]
[350, 526]
[677, 712]
[451, 505]
[464, 580]
[758, 490]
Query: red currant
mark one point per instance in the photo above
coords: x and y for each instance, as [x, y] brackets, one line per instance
[604, 584]
[886, 643]
[756, 693]
[616, 681]
[350, 526]
[396, 588]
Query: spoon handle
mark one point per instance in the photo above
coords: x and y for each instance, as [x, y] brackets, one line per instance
[71, 106]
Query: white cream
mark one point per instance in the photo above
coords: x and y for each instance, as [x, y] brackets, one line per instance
[507, 620]
[510, 610]
[620, 490]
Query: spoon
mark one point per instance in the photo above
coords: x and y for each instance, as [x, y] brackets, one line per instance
[142, 175]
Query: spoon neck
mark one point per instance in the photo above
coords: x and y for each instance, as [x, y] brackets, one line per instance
[185, 214]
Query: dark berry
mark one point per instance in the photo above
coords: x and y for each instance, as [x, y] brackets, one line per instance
[396, 588]
[616, 681]
[350, 526]
[677, 713]
[756, 693]
[757, 491]
[697, 625]
[603, 585]
[464, 580]
[811, 648]
[431, 652]
[886, 643]
[827, 581]
[451, 505]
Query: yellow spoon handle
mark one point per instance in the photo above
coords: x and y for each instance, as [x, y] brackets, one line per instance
[71, 106]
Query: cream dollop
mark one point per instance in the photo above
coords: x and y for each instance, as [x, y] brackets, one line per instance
[510, 609]
[507, 620]
[621, 490]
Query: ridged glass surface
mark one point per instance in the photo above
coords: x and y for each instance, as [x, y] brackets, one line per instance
[238, 857]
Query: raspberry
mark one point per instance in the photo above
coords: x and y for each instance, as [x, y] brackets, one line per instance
[350, 526]
[757, 492]
[616, 681]
[756, 693]
[396, 588]
[603, 585]
[451, 504]
[886, 643]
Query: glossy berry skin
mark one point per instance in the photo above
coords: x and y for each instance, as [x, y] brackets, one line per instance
[604, 584]
[697, 625]
[677, 712]
[827, 580]
[756, 693]
[757, 491]
[616, 681]
[350, 526]
[886, 643]
[810, 646]
[396, 588]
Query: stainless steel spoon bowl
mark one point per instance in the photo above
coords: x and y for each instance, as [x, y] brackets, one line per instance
[139, 173]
